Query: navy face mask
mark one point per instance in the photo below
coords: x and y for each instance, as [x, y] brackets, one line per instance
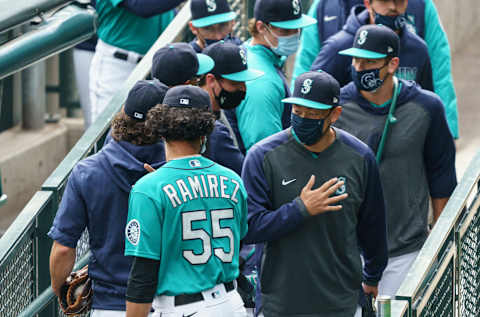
[394, 22]
[308, 131]
[367, 80]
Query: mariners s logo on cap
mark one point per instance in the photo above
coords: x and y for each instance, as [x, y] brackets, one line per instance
[306, 86]
[362, 38]
[243, 56]
[296, 6]
[211, 5]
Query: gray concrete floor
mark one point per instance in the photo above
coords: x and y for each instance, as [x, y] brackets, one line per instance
[466, 73]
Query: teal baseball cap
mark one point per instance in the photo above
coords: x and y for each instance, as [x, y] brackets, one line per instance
[374, 42]
[285, 14]
[231, 62]
[315, 89]
[209, 12]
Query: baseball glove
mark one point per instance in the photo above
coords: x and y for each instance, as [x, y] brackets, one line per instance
[76, 294]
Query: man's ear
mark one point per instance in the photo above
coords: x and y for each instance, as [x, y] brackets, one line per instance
[336, 112]
[261, 27]
[393, 65]
[192, 28]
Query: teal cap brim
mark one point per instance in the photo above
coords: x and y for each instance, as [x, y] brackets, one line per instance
[301, 22]
[361, 53]
[214, 19]
[246, 75]
[205, 64]
[306, 103]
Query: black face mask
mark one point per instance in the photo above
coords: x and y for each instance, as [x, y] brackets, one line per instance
[229, 100]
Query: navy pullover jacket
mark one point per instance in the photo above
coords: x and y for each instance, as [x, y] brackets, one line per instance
[414, 59]
[275, 171]
[96, 198]
[418, 159]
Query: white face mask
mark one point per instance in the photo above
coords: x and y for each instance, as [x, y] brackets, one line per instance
[287, 45]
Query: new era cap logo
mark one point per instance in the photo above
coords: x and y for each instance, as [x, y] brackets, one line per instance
[211, 5]
[306, 86]
[335, 100]
[390, 49]
[138, 115]
[296, 6]
[184, 101]
[362, 38]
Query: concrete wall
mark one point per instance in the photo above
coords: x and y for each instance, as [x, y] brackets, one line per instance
[27, 158]
[461, 20]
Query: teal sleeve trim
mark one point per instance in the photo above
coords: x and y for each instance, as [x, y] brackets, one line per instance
[440, 58]
[309, 46]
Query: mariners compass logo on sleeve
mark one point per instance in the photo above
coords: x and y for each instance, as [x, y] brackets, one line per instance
[132, 231]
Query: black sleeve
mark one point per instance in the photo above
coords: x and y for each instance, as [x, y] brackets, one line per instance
[143, 280]
[149, 8]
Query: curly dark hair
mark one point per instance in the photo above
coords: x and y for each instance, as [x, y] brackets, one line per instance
[125, 128]
[180, 124]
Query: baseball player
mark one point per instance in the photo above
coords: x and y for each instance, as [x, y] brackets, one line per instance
[421, 17]
[126, 30]
[315, 204]
[185, 220]
[226, 85]
[96, 198]
[275, 34]
[417, 156]
[212, 21]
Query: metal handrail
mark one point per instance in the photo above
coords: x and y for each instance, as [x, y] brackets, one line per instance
[66, 28]
[435, 248]
[14, 15]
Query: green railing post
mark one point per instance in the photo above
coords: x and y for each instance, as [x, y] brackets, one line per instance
[68, 89]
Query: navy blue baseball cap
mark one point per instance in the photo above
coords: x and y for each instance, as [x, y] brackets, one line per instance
[374, 41]
[143, 96]
[176, 63]
[187, 96]
[285, 14]
[231, 62]
[315, 89]
[209, 12]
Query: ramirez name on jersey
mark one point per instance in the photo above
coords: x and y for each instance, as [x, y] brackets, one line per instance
[201, 186]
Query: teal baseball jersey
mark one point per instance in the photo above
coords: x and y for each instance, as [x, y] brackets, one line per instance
[190, 215]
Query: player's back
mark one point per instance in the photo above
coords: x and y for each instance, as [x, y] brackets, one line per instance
[191, 215]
